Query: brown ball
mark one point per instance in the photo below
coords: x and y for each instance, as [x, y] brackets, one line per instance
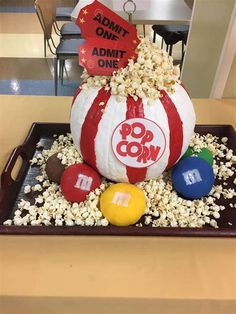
[54, 168]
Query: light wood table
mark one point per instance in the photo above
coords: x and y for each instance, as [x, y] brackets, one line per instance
[75, 274]
[159, 12]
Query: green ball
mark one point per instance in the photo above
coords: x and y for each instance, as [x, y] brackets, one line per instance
[207, 155]
[189, 152]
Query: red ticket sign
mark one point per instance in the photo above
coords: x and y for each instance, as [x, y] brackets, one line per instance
[103, 57]
[96, 20]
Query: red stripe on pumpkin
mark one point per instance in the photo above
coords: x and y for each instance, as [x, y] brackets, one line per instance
[90, 127]
[175, 127]
[135, 110]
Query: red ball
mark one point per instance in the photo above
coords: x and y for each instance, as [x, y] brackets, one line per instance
[78, 181]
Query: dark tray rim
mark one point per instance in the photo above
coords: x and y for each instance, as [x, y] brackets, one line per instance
[95, 230]
[117, 231]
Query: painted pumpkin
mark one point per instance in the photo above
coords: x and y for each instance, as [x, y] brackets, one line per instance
[128, 140]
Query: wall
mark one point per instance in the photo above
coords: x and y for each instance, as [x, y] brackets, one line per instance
[230, 88]
[207, 34]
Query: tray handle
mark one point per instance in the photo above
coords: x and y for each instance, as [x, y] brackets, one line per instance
[6, 177]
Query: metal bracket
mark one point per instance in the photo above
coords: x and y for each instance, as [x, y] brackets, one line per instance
[128, 10]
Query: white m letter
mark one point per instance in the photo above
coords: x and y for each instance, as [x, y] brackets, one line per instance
[83, 182]
[192, 176]
[121, 199]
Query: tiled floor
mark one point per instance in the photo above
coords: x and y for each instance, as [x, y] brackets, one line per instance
[23, 68]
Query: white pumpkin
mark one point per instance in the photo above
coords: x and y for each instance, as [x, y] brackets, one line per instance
[128, 140]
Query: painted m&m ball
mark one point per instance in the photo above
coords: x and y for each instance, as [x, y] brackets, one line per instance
[54, 168]
[207, 155]
[122, 204]
[78, 181]
[204, 153]
[189, 152]
[193, 178]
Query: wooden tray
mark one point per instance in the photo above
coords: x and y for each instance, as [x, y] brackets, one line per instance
[13, 190]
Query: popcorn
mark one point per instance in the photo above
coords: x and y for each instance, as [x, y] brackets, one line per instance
[164, 207]
[224, 140]
[37, 187]
[69, 222]
[27, 189]
[79, 222]
[39, 145]
[8, 222]
[104, 222]
[89, 222]
[39, 200]
[153, 71]
[216, 215]
[17, 213]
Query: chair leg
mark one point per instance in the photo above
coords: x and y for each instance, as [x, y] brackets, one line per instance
[57, 27]
[162, 43]
[182, 48]
[181, 63]
[62, 65]
[154, 36]
[60, 71]
[144, 30]
[55, 74]
[44, 45]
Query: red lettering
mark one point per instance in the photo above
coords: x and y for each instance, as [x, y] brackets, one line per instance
[133, 145]
[140, 126]
[125, 130]
[119, 148]
[154, 151]
[148, 137]
[144, 155]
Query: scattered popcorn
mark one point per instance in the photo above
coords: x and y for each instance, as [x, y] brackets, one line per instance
[17, 213]
[27, 189]
[18, 221]
[69, 222]
[39, 145]
[40, 178]
[39, 200]
[37, 187]
[35, 222]
[216, 215]
[58, 222]
[104, 222]
[33, 161]
[164, 207]
[213, 223]
[89, 222]
[8, 222]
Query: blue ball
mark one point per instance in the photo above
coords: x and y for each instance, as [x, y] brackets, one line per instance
[193, 177]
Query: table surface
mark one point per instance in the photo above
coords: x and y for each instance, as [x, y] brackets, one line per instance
[159, 11]
[45, 270]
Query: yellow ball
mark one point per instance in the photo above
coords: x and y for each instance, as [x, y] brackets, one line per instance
[122, 204]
